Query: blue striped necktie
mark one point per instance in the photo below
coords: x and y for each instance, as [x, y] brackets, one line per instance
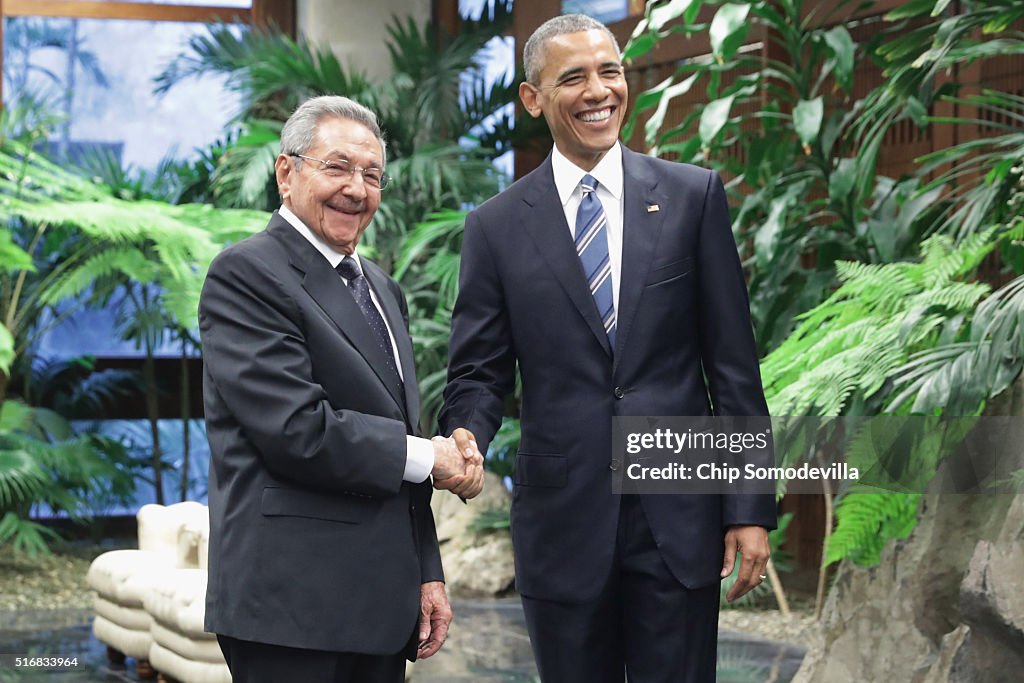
[592, 247]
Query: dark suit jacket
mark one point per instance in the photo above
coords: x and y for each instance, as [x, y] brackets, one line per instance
[684, 346]
[315, 540]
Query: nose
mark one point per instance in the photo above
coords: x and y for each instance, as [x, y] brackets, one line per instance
[354, 186]
[596, 88]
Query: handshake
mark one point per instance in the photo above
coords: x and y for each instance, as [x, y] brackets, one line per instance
[458, 464]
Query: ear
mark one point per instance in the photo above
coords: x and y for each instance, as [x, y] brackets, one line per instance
[283, 168]
[529, 94]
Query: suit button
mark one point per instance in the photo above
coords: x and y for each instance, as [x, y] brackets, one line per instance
[619, 393]
[614, 465]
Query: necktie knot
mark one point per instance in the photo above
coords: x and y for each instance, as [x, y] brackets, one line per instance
[349, 268]
[589, 184]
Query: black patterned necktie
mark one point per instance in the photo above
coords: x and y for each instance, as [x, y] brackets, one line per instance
[349, 269]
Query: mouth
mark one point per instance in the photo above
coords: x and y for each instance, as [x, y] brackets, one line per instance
[347, 209]
[595, 115]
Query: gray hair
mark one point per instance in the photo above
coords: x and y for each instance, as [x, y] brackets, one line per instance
[533, 52]
[300, 130]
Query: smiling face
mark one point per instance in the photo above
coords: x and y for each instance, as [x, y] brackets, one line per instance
[582, 93]
[336, 209]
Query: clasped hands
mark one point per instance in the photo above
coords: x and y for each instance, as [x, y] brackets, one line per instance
[458, 464]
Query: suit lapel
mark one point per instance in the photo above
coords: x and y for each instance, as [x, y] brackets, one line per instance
[641, 230]
[325, 286]
[398, 325]
[544, 220]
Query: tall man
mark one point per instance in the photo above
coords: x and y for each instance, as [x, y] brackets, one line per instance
[612, 279]
[324, 562]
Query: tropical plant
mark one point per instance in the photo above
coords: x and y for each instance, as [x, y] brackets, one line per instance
[64, 235]
[140, 315]
[777, 124]
[44, 463]
[845, 349]
[927, 39]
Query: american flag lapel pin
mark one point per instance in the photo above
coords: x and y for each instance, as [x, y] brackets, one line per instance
[653, 208]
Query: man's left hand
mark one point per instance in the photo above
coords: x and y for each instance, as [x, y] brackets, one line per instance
[752, 543]
[435, 616]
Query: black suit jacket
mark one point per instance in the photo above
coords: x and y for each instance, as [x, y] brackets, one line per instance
[315, 540]
[684, 346]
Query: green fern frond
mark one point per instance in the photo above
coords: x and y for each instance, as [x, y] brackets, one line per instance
[866, 522]
[117, 260]
[861, 335]
[959, 296]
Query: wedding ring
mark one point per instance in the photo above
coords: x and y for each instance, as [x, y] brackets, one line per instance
[764, 576]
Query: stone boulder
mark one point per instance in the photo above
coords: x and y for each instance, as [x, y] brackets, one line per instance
[476, 563]
[944, 606]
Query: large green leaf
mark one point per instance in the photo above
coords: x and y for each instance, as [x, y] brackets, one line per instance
[713, 118]
[1003, 20]
[843, 48]
[842, 181]
[653, 124]
[639, 46]
[661, 14]
[914, 8]
[728, 29]
[968, 51]
[940, 7]
[768, 235]
[644, 101]
[807, 116]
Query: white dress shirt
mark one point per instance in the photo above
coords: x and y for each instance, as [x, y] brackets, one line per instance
[419, 459]
[608, 174]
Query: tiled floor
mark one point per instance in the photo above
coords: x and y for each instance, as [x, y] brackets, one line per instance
[487, 644]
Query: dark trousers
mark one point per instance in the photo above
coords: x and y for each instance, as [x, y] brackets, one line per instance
[251, 662]
[644, 625]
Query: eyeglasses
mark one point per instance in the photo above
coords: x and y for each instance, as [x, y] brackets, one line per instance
[343, 169]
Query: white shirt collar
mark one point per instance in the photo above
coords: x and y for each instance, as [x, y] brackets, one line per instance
[568, 175]
[333, 257]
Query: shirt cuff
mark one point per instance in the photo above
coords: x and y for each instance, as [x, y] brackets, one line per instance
[419, 460]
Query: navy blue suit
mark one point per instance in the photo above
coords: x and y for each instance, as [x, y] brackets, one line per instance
[684, 346]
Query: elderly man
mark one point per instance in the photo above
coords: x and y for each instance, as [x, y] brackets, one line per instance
[612, 280]
[324, 562]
